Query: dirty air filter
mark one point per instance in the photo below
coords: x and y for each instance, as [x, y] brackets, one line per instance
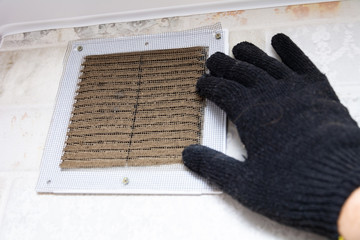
[138, 108]
[125, 109]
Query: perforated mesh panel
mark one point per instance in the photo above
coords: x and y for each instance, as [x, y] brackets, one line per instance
[138, 108]
[153, 179]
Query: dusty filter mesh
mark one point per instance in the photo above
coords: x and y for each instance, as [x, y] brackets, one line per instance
[135, 109]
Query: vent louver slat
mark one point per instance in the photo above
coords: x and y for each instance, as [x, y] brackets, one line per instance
[135, 109]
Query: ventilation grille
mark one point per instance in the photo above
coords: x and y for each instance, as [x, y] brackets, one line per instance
[135, 109]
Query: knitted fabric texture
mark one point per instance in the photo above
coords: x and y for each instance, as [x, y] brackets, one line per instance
[138, 108]
[303, 146]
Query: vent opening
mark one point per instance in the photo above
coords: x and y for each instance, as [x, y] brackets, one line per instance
[135, 109]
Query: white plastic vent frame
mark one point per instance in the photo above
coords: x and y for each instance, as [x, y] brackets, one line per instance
[163, 179]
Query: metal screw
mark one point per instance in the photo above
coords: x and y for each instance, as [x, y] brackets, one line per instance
[80, 48]
[125, 181]
[218, 36]
[147, 43]
[48, 181]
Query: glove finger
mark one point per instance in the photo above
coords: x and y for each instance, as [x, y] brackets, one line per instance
[228, 95]
[221, 65]
[217, 167]
[292, 56]
[249, 53]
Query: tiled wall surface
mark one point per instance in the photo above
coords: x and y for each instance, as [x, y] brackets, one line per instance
[31, 65]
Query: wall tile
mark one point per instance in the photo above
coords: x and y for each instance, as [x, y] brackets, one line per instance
[32, 216]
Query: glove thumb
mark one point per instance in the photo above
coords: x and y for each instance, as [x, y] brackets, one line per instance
[218, 168]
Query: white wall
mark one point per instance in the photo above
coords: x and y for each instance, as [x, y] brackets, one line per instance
[28, 15]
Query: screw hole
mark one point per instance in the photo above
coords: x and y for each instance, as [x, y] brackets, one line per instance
[125, 181]
[146, 43]
[48, 181]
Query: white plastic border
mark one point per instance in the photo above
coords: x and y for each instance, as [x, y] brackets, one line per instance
[165, 179]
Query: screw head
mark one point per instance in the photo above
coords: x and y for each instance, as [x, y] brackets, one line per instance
[218, 35]
[125, 181]
[80, 48]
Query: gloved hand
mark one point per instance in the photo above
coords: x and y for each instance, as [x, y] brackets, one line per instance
[303, 146]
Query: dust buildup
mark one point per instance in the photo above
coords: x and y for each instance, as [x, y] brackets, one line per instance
[135, 109]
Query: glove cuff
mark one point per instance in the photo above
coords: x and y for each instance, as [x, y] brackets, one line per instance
[350, 180]
[348, 185]
[344, 168]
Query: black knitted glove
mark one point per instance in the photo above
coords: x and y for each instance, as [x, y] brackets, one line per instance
[303, 147]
